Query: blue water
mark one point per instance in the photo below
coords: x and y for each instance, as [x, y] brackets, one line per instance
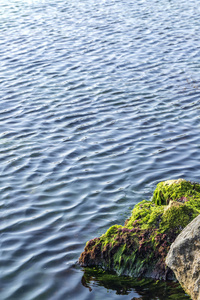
[100, 100]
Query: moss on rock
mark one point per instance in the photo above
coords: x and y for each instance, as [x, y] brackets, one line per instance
[176, 190]
[139, 248]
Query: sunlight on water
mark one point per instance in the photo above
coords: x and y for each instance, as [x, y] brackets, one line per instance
[14, 3]
[99, 102]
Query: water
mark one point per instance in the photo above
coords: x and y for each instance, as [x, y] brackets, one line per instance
[99, 102]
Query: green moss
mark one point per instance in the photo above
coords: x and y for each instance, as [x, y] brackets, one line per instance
[175, 190]
[177, 217]
[139, 248]
[112, 230]
[146, 215]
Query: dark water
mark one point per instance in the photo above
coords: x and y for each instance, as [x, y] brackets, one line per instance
[100, 100]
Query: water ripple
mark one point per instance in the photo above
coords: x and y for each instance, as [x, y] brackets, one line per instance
[99, 102]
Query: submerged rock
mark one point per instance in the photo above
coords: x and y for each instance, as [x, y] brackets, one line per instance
[184, 258]
[139, 248]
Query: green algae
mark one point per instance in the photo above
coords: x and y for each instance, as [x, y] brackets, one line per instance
[175, 190]
[139, 248]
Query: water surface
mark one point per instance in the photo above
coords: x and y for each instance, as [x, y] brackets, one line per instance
[99, 102]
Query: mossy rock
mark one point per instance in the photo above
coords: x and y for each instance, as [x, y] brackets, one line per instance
[139, 248]
[175, 190]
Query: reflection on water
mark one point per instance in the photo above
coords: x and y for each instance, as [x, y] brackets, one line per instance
[146, 289]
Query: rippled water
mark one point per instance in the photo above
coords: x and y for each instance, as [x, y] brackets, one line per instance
[99, 102]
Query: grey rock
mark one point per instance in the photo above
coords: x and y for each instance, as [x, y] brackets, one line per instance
[184, 258]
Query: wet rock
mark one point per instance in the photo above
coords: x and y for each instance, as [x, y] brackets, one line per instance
[184, 258]
[139, 248]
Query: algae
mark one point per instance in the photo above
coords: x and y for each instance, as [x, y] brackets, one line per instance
[139, 248]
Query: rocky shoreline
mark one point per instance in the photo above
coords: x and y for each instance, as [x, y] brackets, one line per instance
[140, 247]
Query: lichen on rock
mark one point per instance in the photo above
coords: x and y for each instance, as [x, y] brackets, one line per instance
[139, 248]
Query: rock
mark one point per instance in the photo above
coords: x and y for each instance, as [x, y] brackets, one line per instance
[184, 258]
[139, 248]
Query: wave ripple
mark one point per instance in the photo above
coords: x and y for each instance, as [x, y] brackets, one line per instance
[99, 102]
